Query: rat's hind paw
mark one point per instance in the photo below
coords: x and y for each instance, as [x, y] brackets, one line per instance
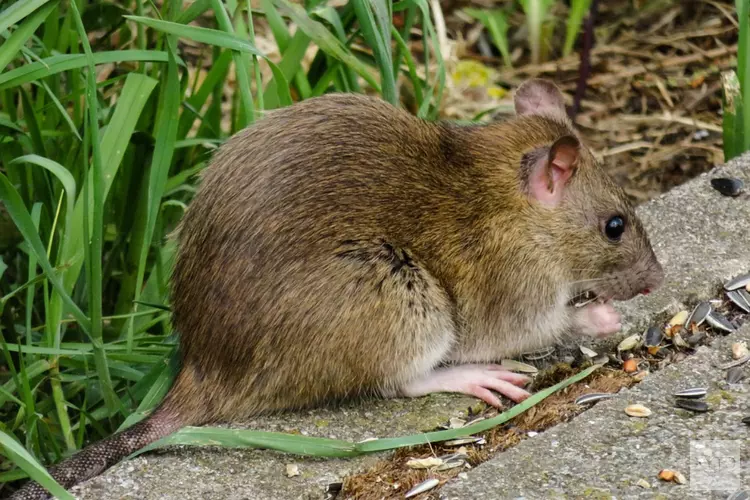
[598, 320]
[476, 380]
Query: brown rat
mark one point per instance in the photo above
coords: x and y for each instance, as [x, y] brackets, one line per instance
[342, 248]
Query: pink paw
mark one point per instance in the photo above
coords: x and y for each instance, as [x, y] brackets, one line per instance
[475, 380]
[598, 320]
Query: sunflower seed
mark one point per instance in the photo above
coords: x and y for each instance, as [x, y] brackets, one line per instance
[679, 478]
[679, 318]
[719, 322]
[679, 341]
[540, 354]
[637, 411]
[745, 294]
[695, 392]
[450, 465]
[731, 364]
[517, 366]
[459, 455]
[461, 441]
[735, 374]
[292, 470]
[601, 360]
[692, 405]
[699, 314]
[740, 495]
[588, 352]
[746, 420]
[643, 484]
[737, 282]
[739, 350]
[422, 487]
[592, 398]
[424, 463]
[629, 343]
[739, 300]
[728, 186]
[653, 336]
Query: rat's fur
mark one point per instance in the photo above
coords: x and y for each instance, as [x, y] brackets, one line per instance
[342, 248]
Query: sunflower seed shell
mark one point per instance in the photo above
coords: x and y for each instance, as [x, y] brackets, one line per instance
[692, 405]
[517, 366]
[737, 282]
[592, 397]
[739, 300]
[422, 487]
[699, 314]
[719, 322]
[694, 392]
[629, 343]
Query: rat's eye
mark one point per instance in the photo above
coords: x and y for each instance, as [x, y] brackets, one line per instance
[614, 228]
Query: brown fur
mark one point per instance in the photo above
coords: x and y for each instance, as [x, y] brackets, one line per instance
[341, 247]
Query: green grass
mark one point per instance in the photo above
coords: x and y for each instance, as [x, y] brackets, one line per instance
[97, 168]
[736, 87]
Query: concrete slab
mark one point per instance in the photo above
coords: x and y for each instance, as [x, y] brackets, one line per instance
[604, 453]
[700, 237]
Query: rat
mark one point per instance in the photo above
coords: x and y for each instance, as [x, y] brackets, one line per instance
[343, 248]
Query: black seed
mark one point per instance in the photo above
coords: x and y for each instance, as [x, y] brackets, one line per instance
[653, 336]
[735, 374]
[746, 420]
[692, 405]
[728, 186]
[695, 338]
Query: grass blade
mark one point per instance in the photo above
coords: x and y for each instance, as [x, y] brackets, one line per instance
[166, 136]
[16, 12]
[379, 41]
[578, 9]
[734, 131]
[57, 64]
[743, 66]
[14, 204]
[96, 220]
[322, 447]
[496, 23]
[208, 36]
[326, 40]
[11, 46]
[35, 471]
[437, 436]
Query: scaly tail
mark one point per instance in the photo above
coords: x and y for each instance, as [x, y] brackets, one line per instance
[94, 459]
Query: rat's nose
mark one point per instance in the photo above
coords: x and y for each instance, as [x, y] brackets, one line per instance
[646, 291]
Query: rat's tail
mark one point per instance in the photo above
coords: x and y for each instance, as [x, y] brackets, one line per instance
[98, 457]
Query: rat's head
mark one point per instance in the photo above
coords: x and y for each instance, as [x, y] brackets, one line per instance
[587, 222]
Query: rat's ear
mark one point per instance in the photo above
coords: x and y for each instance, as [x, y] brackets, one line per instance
[549, 176]
[537, 97]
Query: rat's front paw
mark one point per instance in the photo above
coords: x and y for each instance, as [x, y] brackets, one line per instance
[476, 380]
[598, 320]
